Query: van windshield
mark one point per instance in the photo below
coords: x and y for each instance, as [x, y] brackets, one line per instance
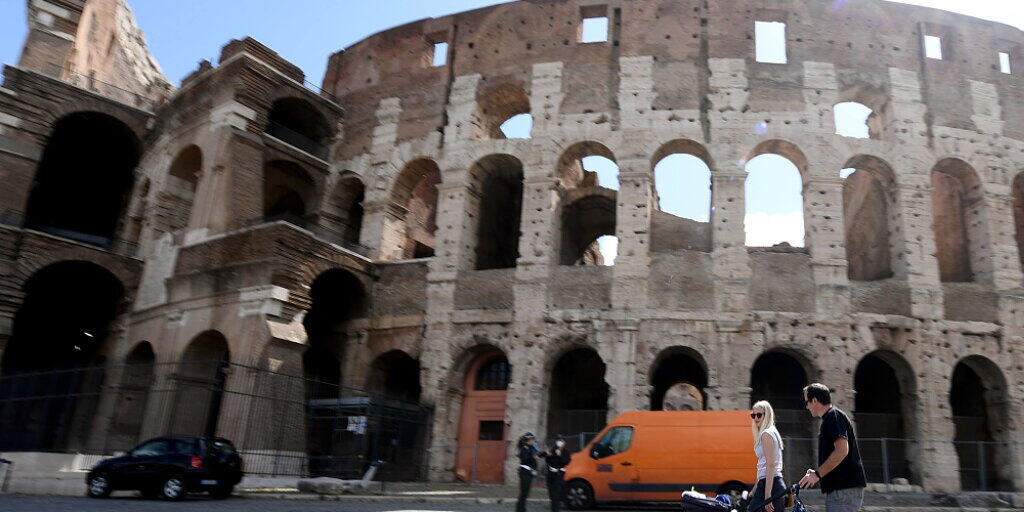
[616, 440]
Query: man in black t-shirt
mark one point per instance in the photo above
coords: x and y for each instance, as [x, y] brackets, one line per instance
[840, 471]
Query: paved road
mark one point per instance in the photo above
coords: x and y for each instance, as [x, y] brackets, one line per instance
[69, 504]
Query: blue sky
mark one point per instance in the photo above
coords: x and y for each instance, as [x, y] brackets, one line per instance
[180, 33]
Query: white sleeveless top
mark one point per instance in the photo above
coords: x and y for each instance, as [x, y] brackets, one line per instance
[762, 461]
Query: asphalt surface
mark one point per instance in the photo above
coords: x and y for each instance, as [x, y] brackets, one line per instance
[17, 503]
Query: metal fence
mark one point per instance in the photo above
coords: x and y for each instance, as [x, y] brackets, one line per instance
[296, 139]
[279, 429]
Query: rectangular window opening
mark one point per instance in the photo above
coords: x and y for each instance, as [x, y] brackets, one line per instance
[440, 54]
[933, 47]
[492, 431]
[594, 30]
[770, 42]
[1004, 63]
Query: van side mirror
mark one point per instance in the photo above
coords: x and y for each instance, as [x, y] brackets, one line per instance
[593, 454]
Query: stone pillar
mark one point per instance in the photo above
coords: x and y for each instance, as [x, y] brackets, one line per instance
[730, 261]
[922, 268]
[823, 211]
[524, 410]
[632, 228]
[935, 458]
[617, 343]
[437, 356]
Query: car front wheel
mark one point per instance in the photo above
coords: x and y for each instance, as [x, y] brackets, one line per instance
[579, 495]
[173, 488]
[99, 485]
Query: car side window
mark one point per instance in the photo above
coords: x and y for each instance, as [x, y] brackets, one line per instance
[152, 448]
[183, 446]
[616, 440]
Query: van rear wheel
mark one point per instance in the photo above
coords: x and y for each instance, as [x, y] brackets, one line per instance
[579, 495]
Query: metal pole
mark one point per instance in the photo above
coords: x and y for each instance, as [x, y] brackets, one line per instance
[982, 477]
[885, 463]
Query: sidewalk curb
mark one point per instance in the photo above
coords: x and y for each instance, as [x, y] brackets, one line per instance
[374, 498]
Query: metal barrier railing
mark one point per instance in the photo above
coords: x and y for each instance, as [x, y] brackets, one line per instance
[296, 139]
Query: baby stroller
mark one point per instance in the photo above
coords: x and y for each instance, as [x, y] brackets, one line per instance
[691, 502]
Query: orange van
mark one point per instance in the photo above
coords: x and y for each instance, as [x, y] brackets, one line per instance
[656, 455]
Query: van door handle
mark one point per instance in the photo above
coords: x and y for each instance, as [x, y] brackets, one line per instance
[626, 463]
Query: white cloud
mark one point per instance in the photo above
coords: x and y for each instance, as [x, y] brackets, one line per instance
[765, 230]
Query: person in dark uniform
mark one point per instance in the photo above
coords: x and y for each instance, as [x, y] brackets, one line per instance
[557, 458]
[528, 455]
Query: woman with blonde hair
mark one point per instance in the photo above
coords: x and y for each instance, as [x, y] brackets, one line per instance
[768, 448]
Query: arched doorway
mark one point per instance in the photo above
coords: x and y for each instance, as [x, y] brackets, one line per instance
[482, 431]
[411, 221]
[288, 192]
[337, 296]
[978, 400]
[883, 412]
[577, 397]
[53, 367]
[84, 178]
[497, 209]
[398, 428]
[779, 377]
[296, 122]
[678, 380]
[136, 381]
[201, 379]
[176, 199]
[585, 221]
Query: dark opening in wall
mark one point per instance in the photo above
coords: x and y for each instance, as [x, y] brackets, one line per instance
[296, 122]
[395, 375]
[288, 190]
[200, 384]
[977, 396]
[584, 222]
[884, 405]
[593, 24]
[578, 399]
[869, 207]
[503, 111]
[344, 212]
[679, 378]
[956, 207]
[178, 195]
[498, 180]
[412, 220]
[82, 183]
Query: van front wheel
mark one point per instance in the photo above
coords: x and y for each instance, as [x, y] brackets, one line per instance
[579, 495]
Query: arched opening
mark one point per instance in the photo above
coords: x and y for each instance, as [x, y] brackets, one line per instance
[519, 126]
[136, 382]
[296, 122]
[585, 221]
[397, 433]
[588, 164]
[179, 191]
[1017, 189]
[53, 367]
[678, 381]
[496, 107]
[869, 204]
[851, 119]
[288, 192]
[412, 220]
[336, 297]
[863, 111]
[979, 403]
[682, 181]
[883, 411]
[84, 178]
[498, 180]
[201, 379]
[577, 397]
[774, 195]
[395, 375]
[344, 213]
[483, 434]
[956, 206]
[779, 377]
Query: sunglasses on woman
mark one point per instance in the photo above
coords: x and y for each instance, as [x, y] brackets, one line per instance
[756, 415]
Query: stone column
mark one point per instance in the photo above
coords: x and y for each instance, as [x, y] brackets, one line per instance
[525, 398]
[730, 261]
[823, 211]
[617, 342]
[935, 457]
[632, 228]
[922, 268]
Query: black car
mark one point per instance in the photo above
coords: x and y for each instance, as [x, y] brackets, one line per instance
[170, 467]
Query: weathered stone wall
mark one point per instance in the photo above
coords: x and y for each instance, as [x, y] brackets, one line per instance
[674, 76]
